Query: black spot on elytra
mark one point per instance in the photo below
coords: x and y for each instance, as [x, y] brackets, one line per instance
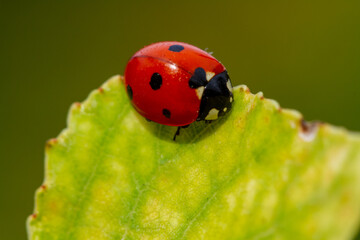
[156, 81]
[166, 113]
[198, 79]
[129, 92]
[176, 48]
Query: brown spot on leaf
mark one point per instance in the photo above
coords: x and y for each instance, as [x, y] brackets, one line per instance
[244, 89]
[51, 143]
[101, 90]
[34, 215]
[43, 187]
[309, 129]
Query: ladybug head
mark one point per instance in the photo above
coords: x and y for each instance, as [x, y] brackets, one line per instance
[217, 97]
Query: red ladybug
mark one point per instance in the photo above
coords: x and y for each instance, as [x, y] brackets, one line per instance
[175, 83]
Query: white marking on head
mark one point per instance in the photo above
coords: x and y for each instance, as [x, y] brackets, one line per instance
[229, 86]
[231, 99]
[212, 115]
[200, 91]
[225, 109]
[209, 75]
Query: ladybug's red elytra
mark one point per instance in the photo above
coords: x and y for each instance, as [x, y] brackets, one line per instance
[175, 84]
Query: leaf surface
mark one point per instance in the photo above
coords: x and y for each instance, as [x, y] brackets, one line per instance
[261, 172]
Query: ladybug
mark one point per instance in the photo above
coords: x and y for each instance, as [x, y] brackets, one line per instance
[175, 84]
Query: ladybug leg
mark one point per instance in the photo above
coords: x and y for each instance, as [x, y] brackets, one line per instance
[178, 131]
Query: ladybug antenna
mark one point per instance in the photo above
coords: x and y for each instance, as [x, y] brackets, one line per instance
[208, 51]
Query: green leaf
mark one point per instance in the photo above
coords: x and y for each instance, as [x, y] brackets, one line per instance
[259, 173]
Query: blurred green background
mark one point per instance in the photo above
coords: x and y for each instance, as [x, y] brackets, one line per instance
[305, 54]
